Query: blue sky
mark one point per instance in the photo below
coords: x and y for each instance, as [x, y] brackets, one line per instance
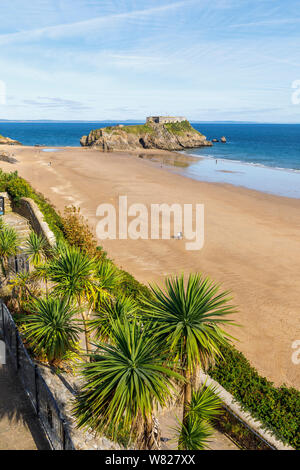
[126, 59]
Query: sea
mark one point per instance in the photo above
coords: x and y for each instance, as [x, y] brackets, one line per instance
[263, 157]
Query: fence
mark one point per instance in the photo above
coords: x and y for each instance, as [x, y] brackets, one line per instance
[39, 394]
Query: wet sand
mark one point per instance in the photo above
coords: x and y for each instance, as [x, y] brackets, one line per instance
[252, 242]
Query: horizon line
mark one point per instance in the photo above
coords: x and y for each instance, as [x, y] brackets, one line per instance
[138, 121]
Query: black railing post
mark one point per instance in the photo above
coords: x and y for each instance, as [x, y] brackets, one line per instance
[63, 433]
[38, 387]
[37, 405]
[17, 348]
[3, 323]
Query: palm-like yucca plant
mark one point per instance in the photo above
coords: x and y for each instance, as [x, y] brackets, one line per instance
[9, 246]
[111, 309]
[196, 430]
[73, 274]
[194, 434]
[60, 246]
[205, 404]
[41, 273]
[25, 287]
[108, 278]
[125, 382]
[188, 318]
[35, 249]
[51, 329]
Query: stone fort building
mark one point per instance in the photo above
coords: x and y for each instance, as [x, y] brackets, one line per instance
[165, 119]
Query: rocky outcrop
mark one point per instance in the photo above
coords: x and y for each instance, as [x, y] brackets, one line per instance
[5, 157]
[8, 141]
[171, 136]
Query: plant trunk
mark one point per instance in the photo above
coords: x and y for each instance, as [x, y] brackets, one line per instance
[196, 383]
[149, 438]
[30, 293]
[4, 267]
[86, 333]
[187, 393]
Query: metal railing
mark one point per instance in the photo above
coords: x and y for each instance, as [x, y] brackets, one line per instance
[40, 396]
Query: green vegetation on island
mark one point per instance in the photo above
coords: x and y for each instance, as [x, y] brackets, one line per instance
[180, 128]
[138, 129]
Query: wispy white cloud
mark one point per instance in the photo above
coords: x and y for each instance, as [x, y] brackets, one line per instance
[122, 59]
[44, 102]
[274, 22]
[88, 26]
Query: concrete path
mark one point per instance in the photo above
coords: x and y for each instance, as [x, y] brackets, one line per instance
[19, 426]
[168, 422]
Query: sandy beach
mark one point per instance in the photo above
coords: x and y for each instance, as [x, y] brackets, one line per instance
[252, 242]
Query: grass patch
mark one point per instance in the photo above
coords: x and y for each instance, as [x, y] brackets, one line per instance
[180, 128]
[136, 130]
[139, 129]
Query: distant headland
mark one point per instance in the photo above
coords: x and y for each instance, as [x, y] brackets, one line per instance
[8, 141]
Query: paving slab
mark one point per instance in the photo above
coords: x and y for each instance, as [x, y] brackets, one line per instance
[168, 422]
[19, 426]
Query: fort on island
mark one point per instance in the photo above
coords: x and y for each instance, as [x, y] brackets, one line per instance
[165, 119]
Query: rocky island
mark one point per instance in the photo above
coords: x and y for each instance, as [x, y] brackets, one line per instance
[165, 133]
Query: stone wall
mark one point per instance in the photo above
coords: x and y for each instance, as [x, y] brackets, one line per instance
[165, 119]
[7, 202]
[29, 209]
[64, 387]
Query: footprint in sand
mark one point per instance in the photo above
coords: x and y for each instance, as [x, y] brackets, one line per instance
[61, 190]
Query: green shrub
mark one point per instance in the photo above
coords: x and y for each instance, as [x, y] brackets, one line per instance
[130, 287]
[277, 408]
[17, 188]
[52, 218]
[77, 232]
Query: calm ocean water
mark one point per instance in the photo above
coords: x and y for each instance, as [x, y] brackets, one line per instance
[251, 149]
[275, 145]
